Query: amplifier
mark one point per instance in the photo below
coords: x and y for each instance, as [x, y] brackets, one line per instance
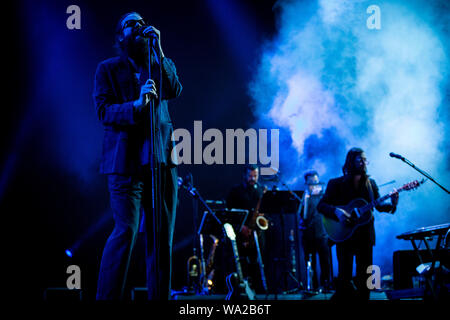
[405, 264]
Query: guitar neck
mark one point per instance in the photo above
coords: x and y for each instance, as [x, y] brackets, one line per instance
[236, 259]
[378, 201]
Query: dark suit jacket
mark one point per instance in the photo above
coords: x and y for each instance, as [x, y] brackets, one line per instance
[126, 144]
[340, 192]
[243, 196]
[313, 222]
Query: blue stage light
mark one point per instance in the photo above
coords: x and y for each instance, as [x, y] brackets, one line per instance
[69, 253]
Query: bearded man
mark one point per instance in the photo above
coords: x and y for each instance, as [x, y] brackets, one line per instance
[122, 95]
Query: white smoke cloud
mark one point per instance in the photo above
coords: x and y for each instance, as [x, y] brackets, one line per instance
[382, 90]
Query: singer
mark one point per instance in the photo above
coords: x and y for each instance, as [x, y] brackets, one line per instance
[122, 94]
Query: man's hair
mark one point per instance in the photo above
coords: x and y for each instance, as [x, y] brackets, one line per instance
[349, 165]
[250, 167]
[310, 173]
[118, 45]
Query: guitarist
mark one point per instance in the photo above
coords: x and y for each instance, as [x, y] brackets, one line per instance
[355, 183]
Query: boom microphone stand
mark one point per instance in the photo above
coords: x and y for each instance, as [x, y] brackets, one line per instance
[187, 184]
[409, 163]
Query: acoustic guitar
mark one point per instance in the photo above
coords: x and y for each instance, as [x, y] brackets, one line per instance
[361, 214]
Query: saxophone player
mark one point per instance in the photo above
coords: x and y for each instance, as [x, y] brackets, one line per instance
[247, 195]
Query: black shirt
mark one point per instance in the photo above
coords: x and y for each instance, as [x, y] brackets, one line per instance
[311, 219]
[244, 196]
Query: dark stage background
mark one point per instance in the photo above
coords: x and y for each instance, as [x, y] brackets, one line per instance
[52, 197]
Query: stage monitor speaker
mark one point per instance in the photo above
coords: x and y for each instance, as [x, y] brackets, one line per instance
[406, 262]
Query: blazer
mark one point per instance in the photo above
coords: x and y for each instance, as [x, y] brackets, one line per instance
[126, 142]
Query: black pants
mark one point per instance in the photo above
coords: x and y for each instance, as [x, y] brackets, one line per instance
[345, 251]
[127, 195]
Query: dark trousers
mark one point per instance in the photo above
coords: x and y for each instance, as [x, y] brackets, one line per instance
[128, 194]
[345, 287]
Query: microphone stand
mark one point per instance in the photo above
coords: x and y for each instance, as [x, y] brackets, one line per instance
[197, 196]
[423, 173]
[155, 167]
[194, 192]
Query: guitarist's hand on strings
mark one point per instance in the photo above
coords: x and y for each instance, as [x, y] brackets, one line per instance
[394, 200]
[343, 215]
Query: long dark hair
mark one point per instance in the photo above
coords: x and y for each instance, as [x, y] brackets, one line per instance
[349, 166]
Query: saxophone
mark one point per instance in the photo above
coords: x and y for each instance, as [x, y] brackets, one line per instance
[258, 219]
[207, 272]
[210, 260]
[209, 265]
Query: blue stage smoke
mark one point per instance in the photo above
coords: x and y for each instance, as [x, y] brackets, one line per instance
[332, 83]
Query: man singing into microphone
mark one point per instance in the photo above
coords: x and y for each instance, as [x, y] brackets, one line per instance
[122, 94]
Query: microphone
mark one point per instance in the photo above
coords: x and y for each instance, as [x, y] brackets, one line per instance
[143, 32]
[184, 182]
[394, 155]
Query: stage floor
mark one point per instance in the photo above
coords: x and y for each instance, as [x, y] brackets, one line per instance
[376, 295]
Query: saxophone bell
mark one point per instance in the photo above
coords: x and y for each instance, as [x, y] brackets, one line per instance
[262, 223]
